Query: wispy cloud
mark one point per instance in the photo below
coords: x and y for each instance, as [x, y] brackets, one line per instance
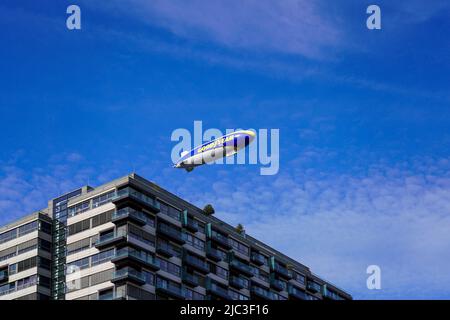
[292, 26]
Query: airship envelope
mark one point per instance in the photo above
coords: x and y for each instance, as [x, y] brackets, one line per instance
[208, 152]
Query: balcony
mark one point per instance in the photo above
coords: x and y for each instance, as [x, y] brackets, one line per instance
[129, 214]
[313, 286]
[111, 239]
[277, 284]
[190, 279]
[165, 249]
[166, 289]
[129, 256]
[213, 253]
[279, 269]
[241, 267]
[296, 293]
[19, 287]
[238, 282]
[190, 224]
[216, 291]
[258, 258]
[220, 240]
[129, 195]
[261, 293]
[128, 275]
[171, 233]
[196, 263]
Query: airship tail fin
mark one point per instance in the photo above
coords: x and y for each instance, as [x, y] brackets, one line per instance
[189, 169]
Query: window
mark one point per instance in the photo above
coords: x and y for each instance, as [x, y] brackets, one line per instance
[141, 235]
[79, 246]
[81, 264]
[79, 227]
[102, 257]
[258, 273]
[169, 247]
[195, 242]
[25, 229]
[13, 268]
[9, 235]
[102, 218]
[299, 277]
[26, 264]
[44, 281]
[237, 295]
[219, 271]
[167, 284]
[170, 211]
[240, 247]
[201, 227]
[79, 208]
[44, 263]
[27, 246]
[193, 295]
[170, 267]
[45, 227]
[149, 277]
[45, 245]
[7, 253]
[103, 199]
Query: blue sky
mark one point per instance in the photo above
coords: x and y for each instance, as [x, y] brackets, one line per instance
[363, 117]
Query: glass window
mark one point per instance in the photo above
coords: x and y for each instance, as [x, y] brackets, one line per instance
[170, 211]
[195, 242]
[102, 257]
[170, 267]
[193, 295]
[240, 247]
[149, 277]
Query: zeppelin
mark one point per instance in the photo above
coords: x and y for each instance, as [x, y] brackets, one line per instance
[224, 146]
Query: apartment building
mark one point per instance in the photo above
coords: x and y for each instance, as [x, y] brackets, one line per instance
[25, 258]
[130, 239]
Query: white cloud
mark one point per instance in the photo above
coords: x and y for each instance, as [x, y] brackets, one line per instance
[397, 217]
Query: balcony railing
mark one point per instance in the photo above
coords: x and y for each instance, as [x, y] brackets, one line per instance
[171, 232]
[190, 279]
[280, 270]
[258, 258]
[262, 293]
[297, 293]
[129, 213]
[141, 257]
[220, 239]
[241, 267]
[190, 225]
[214, 254]
[217, 290]
[277, 284]
[313, 286]
[166, 249]
[136, 195]
[238, 282]
[196, 263]
[18, 288]
[128, 274]
[169, 289]
[111, 239]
